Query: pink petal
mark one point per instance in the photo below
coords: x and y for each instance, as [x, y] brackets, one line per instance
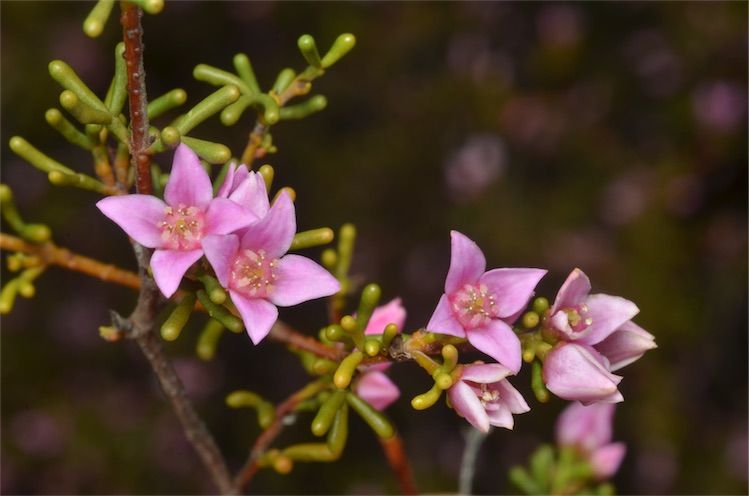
[512, 288]
[274, 232]
[377, 389]
[572, 372]
[227, 185]
[626, 345]
[220, 250]
[511, 397]
[608, 314]
[224, 217]
[300, 279]
[467, 263]
[258, 315]
[484, 373]
[497, 340]
[390, 313]
[443, 320]
[188, 183]
[606, 460]
[251, 194]
[169, 266]
[588, 427]
[466, 403]
[573, 291]
[137, 215]
[501, 417]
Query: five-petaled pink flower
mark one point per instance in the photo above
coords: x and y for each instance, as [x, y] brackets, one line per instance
[176, 226]
[574, 369]
[485, 397]
[259, 278]
[480, 305]
[373, 386]
[588, 429]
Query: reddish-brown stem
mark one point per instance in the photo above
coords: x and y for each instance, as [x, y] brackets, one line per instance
[132, 34]
[396, 456]
[250, 467]
[50, 254]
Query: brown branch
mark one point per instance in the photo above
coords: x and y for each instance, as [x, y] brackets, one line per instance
[250, 467]
[282, 333]
[132, 35]
[396, 456]
[51, 254]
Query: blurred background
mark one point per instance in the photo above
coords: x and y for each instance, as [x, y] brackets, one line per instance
[606, 136]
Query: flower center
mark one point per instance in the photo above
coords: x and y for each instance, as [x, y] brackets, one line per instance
[578, 317]
[474, 306]
[182, 227]
[253, 273]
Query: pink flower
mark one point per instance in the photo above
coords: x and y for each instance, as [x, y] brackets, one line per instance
[177, 226]
[390, 313]
[376, 388]
[588, 429]
[626, 345]
[259, 278]
[480, 305]
[247, 188]
[373, 385]
[485, 397]
[574, 369]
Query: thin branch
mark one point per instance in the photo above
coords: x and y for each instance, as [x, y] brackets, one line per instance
[474, 439]
[132, 35]
[396, 456]
[266, 438]
[51, 254]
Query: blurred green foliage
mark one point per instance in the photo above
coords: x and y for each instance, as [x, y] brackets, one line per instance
[610, 136]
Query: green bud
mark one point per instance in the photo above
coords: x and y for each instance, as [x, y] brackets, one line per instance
[346, 239]
[36, 158]
[84, 114]
[346, 369]
[335, 333]
[376, 420]
[530, 320]
[391, 330]
[173, 325]
[540, 305]
[443, 381]
[322, 366]
[312, 238]
[324, 418]
[348, 323]
[284, 79]
[342, 45]
[215, 292]
[220, 313]
[8, 296]
[110, 333]
[301, 110]
[370, 296]
[83, 181]
[267, 172]
[66, 128]
[308, 48]
[372, 347]
[209, 106]
[68, 79]
[244, 68]
[213, 153]
[450, 356]
[283, 464]
[150, 6]
[424, 401]
[36, 233]
[329, 258]
[542, 465]
[166, 102]
[231, 114]
[537, 382]
[519, 476]
[208, 339]
[118, 88]
[94, 23]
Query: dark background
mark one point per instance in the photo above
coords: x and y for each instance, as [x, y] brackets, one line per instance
[609, 136]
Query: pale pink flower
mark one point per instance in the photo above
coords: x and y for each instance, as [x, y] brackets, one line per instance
[485, 397]
[258, 275]
[176, 227]
[480, 305]
[247, 188]
[626, 345]
[589, 430]
[574, 369]
[392, 312]
[376, 388]
[373, 385]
